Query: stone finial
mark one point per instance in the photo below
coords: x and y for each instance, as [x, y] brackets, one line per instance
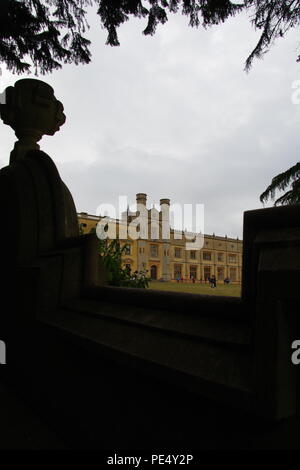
[32, 110]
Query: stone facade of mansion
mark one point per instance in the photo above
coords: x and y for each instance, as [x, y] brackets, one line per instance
[169, 259]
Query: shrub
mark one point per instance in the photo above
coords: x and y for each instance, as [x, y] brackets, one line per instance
[111, 254]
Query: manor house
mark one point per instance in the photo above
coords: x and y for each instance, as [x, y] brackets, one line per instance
[169, 259]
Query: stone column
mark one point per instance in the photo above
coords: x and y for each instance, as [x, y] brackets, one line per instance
[165, 234]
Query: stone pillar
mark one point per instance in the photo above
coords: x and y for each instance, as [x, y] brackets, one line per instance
[271, 278]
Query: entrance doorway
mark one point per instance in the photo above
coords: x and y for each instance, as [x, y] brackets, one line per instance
[153, 272]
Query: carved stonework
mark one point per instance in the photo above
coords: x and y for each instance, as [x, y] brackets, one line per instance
[32, 110]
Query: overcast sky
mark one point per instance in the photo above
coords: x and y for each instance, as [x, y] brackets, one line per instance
[175, 115]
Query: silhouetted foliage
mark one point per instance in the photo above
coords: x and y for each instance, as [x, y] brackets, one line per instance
[280, 183]
[48, 33]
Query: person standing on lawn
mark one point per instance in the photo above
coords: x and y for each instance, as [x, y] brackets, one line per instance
[213, 282]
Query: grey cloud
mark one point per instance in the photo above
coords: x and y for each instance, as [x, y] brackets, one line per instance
[175, 116]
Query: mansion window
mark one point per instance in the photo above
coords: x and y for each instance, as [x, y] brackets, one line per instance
[193, 272]
[220, 272]
[220, 257]
[232, 258]
[207, 272]
[177, 252]
[193, 254]
[177, 271]
[127, 250]
[153, 251]
[233, 274]
[207, 255]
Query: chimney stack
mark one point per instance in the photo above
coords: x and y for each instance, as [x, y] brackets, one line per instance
[165, 217]
[141, 198]
[164, 201]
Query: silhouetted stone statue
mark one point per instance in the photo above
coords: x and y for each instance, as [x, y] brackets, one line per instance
[38, 209]
[38, 204]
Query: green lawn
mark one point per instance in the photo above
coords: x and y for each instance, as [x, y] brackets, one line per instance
[197, 288]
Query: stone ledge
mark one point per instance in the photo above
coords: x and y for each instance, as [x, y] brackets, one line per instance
[204, 305]
[233, 334]
[210, 370]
